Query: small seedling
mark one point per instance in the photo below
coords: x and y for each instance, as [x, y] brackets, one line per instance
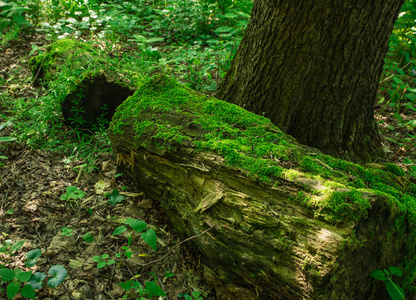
[103, 260]
[72, 194]
[66, 231]
[169, 274]
[196, 295]
[395, 291]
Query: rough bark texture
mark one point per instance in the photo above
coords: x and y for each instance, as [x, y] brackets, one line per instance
[272, 239]
[313, 68]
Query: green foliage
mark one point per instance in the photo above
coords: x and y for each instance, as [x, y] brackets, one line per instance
[147, 292]
[195, 295]
[103, 260]
[88, 237]
[149, 235]
[72, 194]
[114, 197]
[66, 231]
[12, 14]
[395, 291]
[9, 247]
[25, 283]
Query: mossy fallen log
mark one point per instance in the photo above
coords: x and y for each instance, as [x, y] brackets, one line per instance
[287, 221]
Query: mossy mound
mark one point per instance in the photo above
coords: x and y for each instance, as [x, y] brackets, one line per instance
[167, 116]
[45, 66]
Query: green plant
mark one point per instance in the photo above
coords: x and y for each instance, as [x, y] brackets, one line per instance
[103, 260]
[195, 295]
[88, 237]
[169, 274]
[12, 14]
[66, 231]
[9, 247]
[149, 236]
[147, 292]
[72, 194]
[395, 291]
[26, 282]
[114, 197]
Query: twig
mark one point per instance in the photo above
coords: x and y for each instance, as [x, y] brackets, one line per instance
[177, 245]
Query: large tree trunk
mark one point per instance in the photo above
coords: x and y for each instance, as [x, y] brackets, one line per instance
[280, 231]
[313, 68]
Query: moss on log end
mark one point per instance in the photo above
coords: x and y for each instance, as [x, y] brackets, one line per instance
[289, 222]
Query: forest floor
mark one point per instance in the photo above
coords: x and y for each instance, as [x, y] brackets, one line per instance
[32, 182]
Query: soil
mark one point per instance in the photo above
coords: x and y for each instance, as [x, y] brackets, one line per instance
[32, 182]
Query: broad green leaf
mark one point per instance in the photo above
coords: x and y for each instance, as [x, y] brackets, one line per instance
[395, 292]
[119, 230]
[149, 236]
[59, 274]
[396, 271]
[101, 264]
[154, 289]
[105, 256]
[28, 292]
[378, 274]
[36, 279]
[136, 225]
[12, 289]
[7, 274]
[111, 262]
[32, 257]
[17, 246]
[23, 276]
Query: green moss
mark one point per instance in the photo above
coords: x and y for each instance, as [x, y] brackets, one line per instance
[45, 65]
[244, 139]
[394, 169]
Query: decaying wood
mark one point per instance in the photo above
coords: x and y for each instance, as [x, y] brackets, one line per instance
[264, 245]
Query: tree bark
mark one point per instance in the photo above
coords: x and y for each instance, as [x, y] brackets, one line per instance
[313, 68]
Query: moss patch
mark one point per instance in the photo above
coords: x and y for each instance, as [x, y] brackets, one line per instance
[45, 66]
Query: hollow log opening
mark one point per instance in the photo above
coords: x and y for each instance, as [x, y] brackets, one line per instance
[92, 103]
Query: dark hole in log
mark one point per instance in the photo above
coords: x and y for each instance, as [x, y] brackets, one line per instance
[93, 102]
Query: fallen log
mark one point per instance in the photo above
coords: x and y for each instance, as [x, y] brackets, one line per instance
[287, 222]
